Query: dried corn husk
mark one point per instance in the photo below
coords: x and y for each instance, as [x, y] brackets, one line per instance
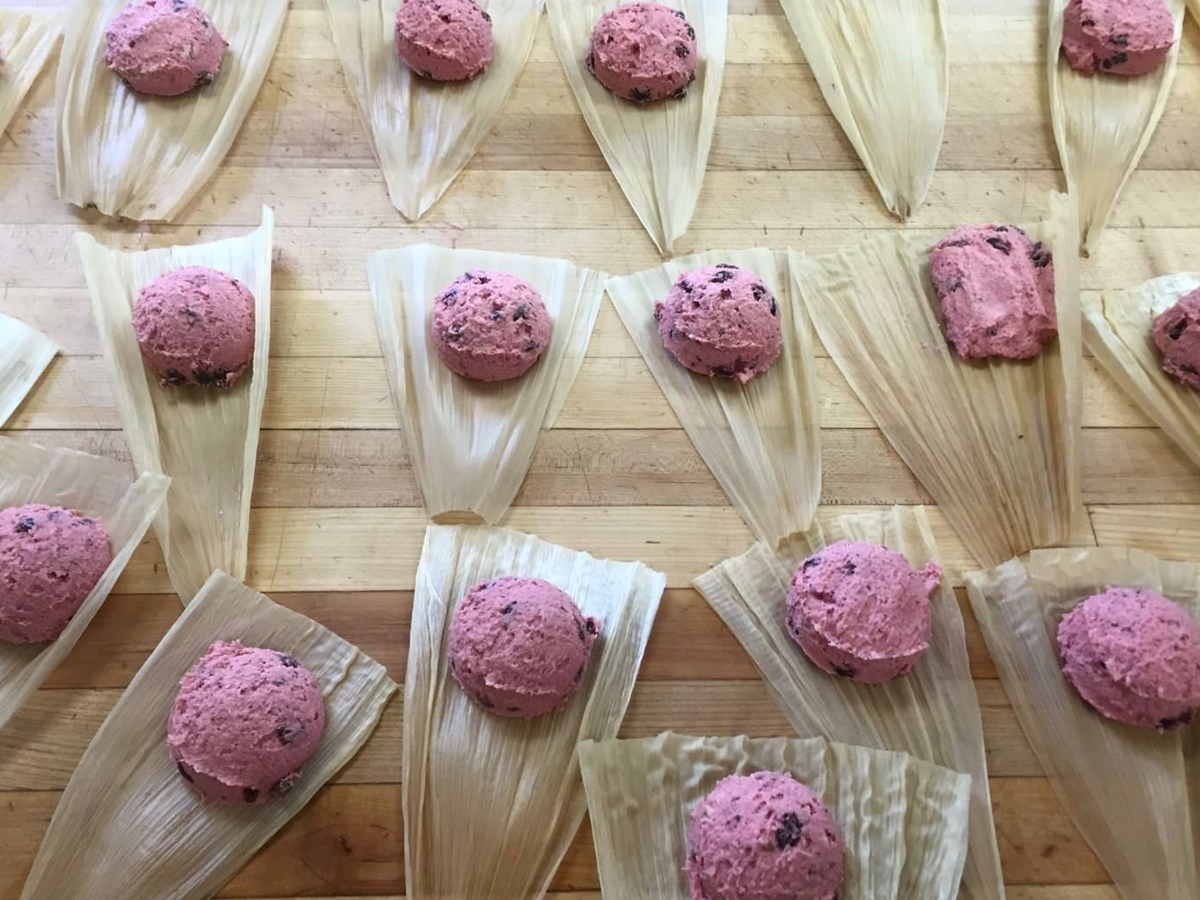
[205, 439]
[1103, 124]
[424, 133]
[932, 712]
[902, 821]
[128, 827]
[1116, 328]
[471, 442]
[658, 152]
[884, 69]
[141, 157]
[761, 440]
[96, 487]
[24, 356]
[1125, 787]
[26, 38]
[995, 442]
[491, 804]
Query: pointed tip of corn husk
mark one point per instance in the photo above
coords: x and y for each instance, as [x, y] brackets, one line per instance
[491, 804]
[167, 148]
[995, 443]
[657, 153]
[471, 443]
[424, 134]
[1122, 786]
[24, 355]
[214, 433]
[932, 713]
[760, 440]
[902, 821]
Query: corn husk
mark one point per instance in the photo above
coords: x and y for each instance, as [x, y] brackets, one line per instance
[27, 36]
[128, 827]
[471, 442]
[658, 152]
[491, 804]
[24, 356]
[97, 487]
[1103, 124]
[931, 713]
[425, 133]
[761, 440]
[1116, 328]
[902, 821]
[145, 158]
[1126, 788]
[995, 442]
[205, 439]
[884, 69]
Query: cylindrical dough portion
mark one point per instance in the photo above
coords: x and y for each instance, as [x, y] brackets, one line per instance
[1176, 333]
[444, 40]
[1117, 37]
[164, 47]
[644, 52]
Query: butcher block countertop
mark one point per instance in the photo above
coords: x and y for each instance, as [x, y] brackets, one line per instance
[337, 528]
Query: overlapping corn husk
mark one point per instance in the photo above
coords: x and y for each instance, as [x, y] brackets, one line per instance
[657, 152]
[24, 356]
[471, 442]
[27, 36]
[206, 439]
[1103, 124]
[995, 442]
[884, 69]
[761, 440]
[143, 157]
[97, 487]
[491, 804]
[1116, 328]
[129, 827]
[424, 133]
[931, 713]
[902, 821]
[1126, 788]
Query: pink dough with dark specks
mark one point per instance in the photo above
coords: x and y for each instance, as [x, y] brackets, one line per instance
[445, 40]
[643, 52]
[861, 611]
[764, 836]
[519, 647]
[996, 289]
[50, 559]
[164, 47]
[1117, 37]
[1177, 335]
[490, 326]
[1134, 656]
[721, 321]
[244, 723]
[195, 326]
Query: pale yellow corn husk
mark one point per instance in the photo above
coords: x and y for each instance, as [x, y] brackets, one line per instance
[95, 486]
[1116, 328]
[761, 440]
[24, 355]
[27, 37]
[1103, 124]
[143, 157]
[128, 827]
[902, 821]
[206, 439]
[932, 713]
[657, 152]
[491, 804]
[425, 132]
[884, 69]
[1126, 788]
[995, 442]
[471, 442]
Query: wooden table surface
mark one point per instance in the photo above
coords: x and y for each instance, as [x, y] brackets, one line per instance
[336, 529]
